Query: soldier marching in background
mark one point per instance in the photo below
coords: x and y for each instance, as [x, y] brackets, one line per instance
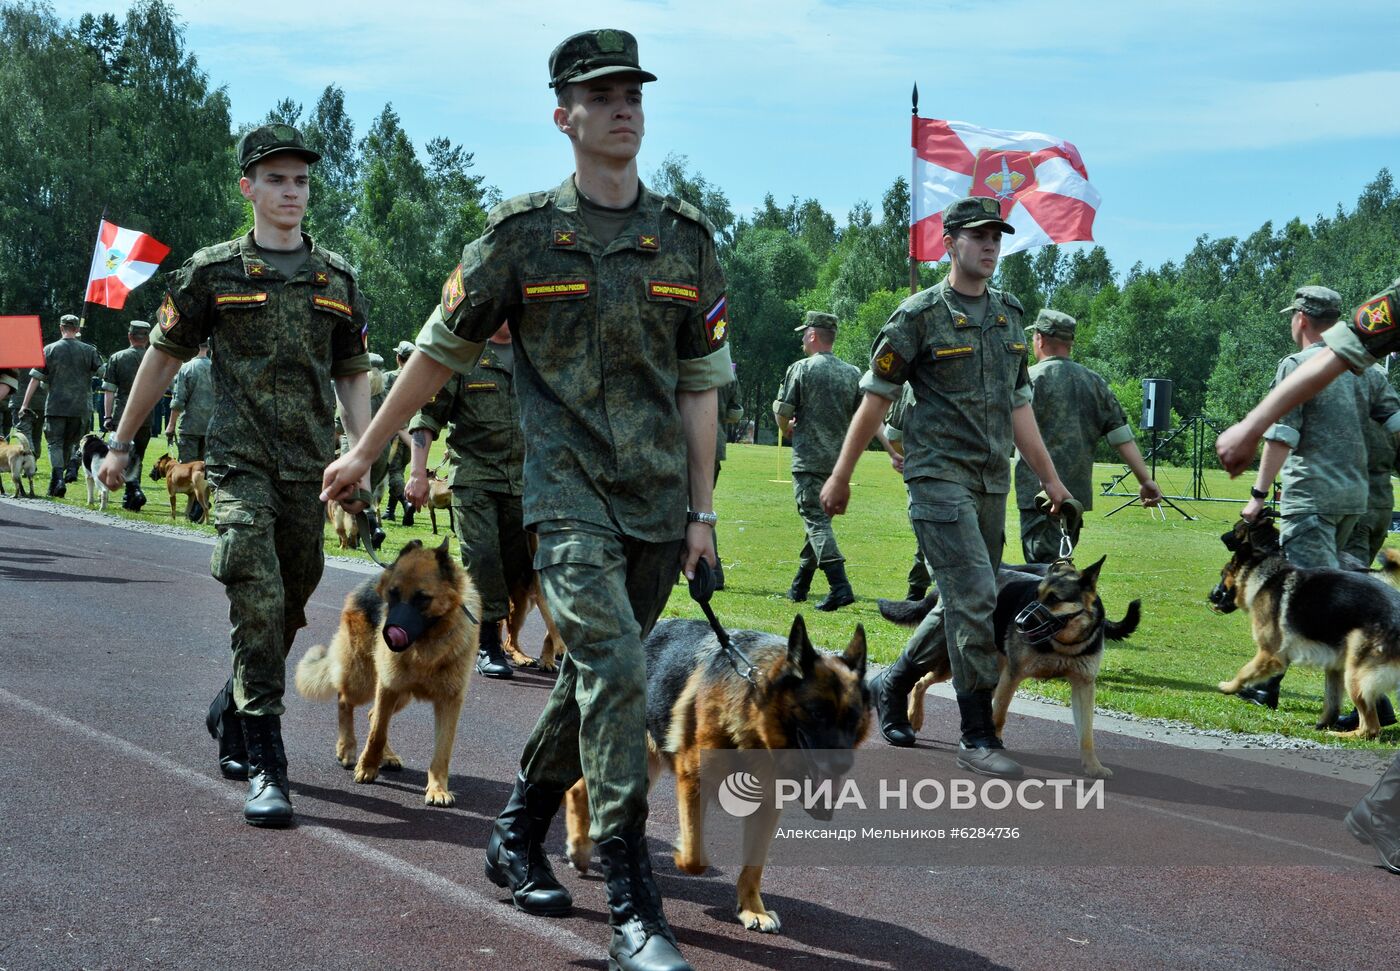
[69, 365]
[192, 405]
[899, 413]
[399, 448]
[730, 411]
[116, 388]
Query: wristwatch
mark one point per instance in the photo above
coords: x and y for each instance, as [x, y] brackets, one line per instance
[708, 518]
[115, 444]
[1258, 493]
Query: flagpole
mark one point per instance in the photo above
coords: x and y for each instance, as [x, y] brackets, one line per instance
[913, 263]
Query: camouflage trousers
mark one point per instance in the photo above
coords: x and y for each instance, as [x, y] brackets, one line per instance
[1040, 536]
[1312, 540]
[191, 447]
[819, 550]
[63, 434]
[269, 557]
[918, 573]
[606, 592]
[1369, 535]
[36, 441]
[961, 534]
[398, 461]
[495, 546]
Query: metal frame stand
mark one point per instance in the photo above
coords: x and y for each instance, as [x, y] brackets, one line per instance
[1198, 426]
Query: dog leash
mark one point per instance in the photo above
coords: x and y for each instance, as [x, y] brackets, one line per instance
[1042, 506]
[702, 588]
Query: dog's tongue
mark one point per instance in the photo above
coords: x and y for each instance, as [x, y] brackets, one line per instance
[397, 637]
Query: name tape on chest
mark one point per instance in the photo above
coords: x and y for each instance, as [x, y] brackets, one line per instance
[676, 291]
[1375, 316]
[332, 304]
[943, 353]
[482, 386]
[223, 300]
[556, 289]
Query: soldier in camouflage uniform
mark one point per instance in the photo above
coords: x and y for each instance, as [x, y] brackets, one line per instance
[899, 413]
[730, 410]
[116, 388]
[398, 454]
[483, 419]
[959, 344]
[288, 320]
[818, 396]
[69, 365]
[1074, 408]
[1374, 525]
[1356, 343]
[29, 418]
[1320, 447]
[193, 405]
[616, 303]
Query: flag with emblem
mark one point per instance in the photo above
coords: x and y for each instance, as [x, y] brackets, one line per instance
[1039, 180]
[122, 261]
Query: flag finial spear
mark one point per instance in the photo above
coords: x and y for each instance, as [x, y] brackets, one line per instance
[916, 98]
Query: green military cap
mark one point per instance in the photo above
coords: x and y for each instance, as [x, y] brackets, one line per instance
[1057, 325]
[594, 54]
[376, 360]
[267, 140]
[1317, 302]
[404, 349]
[69, 320]
[818, 319]
[138, 327]
[974, 211]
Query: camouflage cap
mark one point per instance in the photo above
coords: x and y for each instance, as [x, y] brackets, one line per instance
[266, 140]
[404, 349]
[376, 360]
[1055, 324]
[69, 320]
[818, 319]
[594, 54]
[973, 211]
[1318, 302]
[138, 327]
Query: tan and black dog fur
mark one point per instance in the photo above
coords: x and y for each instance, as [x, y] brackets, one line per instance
[182, 479]
[1074, 653]
[360, 666]
[697, 701]
[1343, 621]
[347, 527]
[18, 460]
[525, 593]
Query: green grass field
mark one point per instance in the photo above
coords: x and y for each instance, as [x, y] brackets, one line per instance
[1168, 669]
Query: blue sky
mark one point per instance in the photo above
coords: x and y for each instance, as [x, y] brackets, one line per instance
[1193, 118]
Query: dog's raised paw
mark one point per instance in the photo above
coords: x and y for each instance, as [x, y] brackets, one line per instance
[439, 797]
[765, 923]
[578, 855]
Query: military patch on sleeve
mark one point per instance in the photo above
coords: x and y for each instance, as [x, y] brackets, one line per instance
[331, 304]
[676, 291]
[647, 241]
[887, 365]
[555, 290]
[717, 322]
[240, 299]
[321, 278]
[1375, 316]
[167, 316]
[454, 291]
[943, 353]
[564, 237]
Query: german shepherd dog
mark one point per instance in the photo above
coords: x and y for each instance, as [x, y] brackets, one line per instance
[697, 700]
[18, 460]
[525, 593]
[412, 633]
[182, 479]
[92, 450]
[1343, 621]
[1066, 641]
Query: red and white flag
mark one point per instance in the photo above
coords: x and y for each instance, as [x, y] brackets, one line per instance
[123, 260]
[1040, 180]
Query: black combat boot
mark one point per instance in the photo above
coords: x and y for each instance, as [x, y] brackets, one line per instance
[1351, 721]
[801, 583]
[1376, 818]
[389, 512]
[129, 498]
[1265, 694]
[224, 724]
[57, 490]
[890, 689]
[407, 514]
[490, 659]
[641, 938]
[515, 856]
[841, 594]
[979, 749]
[140, 496]
[269, 802]
[70, 471]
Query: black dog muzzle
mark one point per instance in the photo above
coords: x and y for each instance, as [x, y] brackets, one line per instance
[1038, 623]
[1221, 600]
[404, 625]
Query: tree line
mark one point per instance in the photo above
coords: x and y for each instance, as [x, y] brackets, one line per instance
[114, 114]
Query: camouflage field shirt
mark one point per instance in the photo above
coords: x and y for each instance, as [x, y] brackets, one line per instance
[194, 395]
[1380, 446]
[484, 420]
[121, 375]
[1326, 467]
[279, 344]
[820, 393]
[69, 365]
[966, 378]
[729, 413]
[1074, 409]
[604, 338]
